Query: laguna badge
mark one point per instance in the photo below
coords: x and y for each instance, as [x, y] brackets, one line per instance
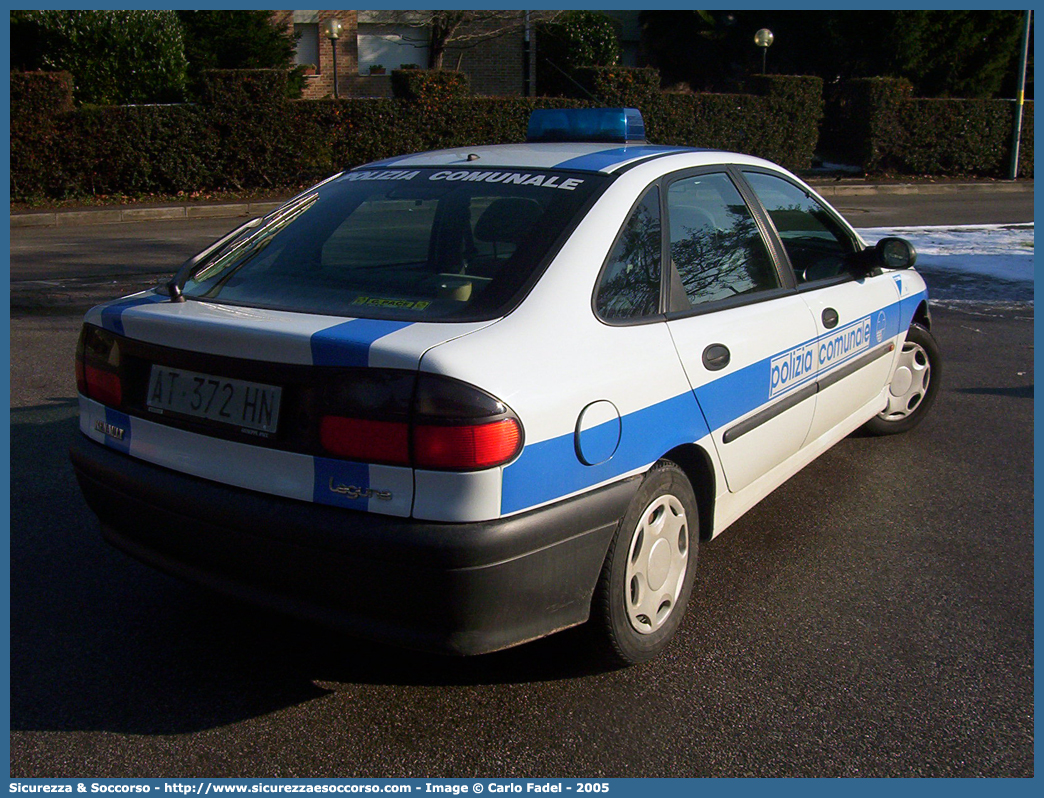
[353, 492]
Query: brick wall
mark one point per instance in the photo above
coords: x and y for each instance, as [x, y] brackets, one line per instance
[495, 66]
[321, 84]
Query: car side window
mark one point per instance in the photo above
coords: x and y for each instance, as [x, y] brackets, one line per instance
[630, 283]
[817, 245]
[716, 246]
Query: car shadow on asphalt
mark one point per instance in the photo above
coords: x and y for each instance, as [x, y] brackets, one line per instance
[101, 642]
[1012, 392]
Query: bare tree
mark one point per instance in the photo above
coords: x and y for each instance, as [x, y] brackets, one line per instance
[462, 29]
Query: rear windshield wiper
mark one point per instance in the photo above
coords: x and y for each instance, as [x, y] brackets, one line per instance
[177, 282]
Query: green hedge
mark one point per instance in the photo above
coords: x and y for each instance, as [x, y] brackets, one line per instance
[246, 109]
[869, 115]
[734, 122]
[889, 131]
[794, 117]
[41, 100]
[246, 135]
[144, 55]
[431, 85]
[136, 150]
[632, 87]
[1026, 142]
[960, 137]
[335, 134]
[779, 121]
[40, 94]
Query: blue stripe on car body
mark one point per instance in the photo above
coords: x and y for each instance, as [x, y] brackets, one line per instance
[599, 161]
[348, 344]
[112, 314]
[337, 480]
[735, 395]
[908, 306]
[550, 470]
[599, 443]
[652, 431]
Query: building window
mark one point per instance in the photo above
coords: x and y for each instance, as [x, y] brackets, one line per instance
[307, 44]
[391, 46]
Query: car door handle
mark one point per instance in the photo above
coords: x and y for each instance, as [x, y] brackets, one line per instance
[716, 357]
[830, 318]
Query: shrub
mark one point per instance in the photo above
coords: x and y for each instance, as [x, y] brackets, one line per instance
[246, 134]
[114, 56]
[889, 131]
[247, 110]
[618, 86]
[338, 134]
[430, 85]
[40, 95]
[734, 122]
[237, 40]
[138, 150]
[38, 100]
[961, 137]
[780, 123]
[799, 97]
[574, 39]
[870, 112]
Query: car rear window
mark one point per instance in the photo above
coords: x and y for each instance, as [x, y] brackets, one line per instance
[416, 244]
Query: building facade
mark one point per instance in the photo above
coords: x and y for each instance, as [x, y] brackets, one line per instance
[373, 43]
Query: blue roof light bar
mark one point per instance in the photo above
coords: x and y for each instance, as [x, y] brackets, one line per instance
[599, 125]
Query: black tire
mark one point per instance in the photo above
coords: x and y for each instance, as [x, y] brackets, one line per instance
[623, 595]
[914, 387]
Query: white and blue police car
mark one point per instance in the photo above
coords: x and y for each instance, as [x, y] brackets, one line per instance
[463, 399]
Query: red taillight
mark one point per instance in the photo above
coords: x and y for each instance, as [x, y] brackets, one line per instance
[420, 420]
[103, 386]
[365, 440]
[466, 447]
[98, 366]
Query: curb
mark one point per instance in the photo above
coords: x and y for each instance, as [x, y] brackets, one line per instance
[165, 214]
[826, 187]
[832, 188]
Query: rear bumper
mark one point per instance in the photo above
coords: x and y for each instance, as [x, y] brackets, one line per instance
[453, 588]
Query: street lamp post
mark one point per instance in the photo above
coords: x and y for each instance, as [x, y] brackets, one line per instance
[763, 39]
[1020, 100]
[332, 30]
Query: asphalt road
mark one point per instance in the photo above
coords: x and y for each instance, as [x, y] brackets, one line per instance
[986, 207]
[872, 617]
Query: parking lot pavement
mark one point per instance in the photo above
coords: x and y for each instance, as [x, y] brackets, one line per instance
[872, 617]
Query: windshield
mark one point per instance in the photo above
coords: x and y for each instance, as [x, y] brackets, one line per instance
[420, 244]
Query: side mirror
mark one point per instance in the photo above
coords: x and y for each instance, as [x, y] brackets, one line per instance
[895, 253]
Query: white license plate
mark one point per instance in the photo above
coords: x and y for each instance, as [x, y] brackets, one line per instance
[249, 405]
